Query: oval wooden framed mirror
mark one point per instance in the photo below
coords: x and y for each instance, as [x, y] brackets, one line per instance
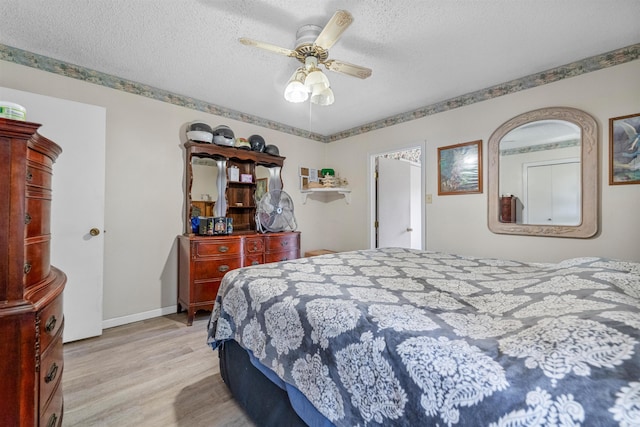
[543, 174]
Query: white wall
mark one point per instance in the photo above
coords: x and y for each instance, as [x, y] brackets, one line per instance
[144, 186]
[459, 223]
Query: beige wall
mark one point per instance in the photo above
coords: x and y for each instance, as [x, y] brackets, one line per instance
[144, 175]
[144, 186]
[459, 223]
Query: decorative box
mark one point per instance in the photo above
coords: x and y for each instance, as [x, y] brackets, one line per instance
[246, 177]
[214, 226]
[205, 225]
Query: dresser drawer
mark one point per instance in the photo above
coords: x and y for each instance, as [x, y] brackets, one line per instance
[281, 256]
[215, 268]
[205, 291]
[51, 367]
[51, 416]
[36, 261]
[280, 243]
[37, 216]
[254, 245]
[253, 259]
[51, 321]
[217, 247]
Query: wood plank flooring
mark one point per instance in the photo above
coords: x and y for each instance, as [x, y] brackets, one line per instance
[157, 372]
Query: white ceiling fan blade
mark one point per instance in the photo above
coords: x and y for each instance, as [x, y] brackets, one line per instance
[266, 46]
[331, 32]
[348, 69]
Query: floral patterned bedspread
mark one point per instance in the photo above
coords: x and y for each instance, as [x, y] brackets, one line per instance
[405, 337]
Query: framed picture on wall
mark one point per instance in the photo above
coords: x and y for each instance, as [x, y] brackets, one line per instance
[460, 168]
[624, 150]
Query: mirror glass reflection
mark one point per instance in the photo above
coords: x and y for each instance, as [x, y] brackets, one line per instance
[205, 183]
[540, 174]
[204, 191]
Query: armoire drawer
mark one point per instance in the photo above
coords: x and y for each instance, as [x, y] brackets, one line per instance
[38, 175]
[37, 217]
[51, 367]
[51, 321]
[37, 259]
[51, 416]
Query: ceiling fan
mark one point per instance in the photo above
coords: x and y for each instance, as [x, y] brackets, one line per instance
[312, 48]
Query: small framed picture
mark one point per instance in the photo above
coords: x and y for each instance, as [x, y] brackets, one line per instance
[460, 168]
[624, 150]
[234, 174]
[246, 177]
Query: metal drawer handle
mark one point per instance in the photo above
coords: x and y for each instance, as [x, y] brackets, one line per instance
[53, 420]
[29, 175]
[223, 248]
[27, 268]
[284, 243]
[51, 324]
[223, 268]
[27, 218]
[285, 259]
[255, 262]
[51, 375]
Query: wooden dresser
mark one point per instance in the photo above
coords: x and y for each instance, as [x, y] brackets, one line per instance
[31, 319]
[205, 260]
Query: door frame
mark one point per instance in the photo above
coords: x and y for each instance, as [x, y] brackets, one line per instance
[372, 189]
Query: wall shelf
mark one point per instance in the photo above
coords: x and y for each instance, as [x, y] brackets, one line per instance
[344, 191]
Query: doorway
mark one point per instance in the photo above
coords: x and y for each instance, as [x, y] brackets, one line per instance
[396, 202]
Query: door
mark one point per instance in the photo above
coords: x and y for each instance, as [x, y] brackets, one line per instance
[398, 207]
[78, 202]
[552, 193]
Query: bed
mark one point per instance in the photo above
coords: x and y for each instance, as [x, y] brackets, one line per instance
[404, 337]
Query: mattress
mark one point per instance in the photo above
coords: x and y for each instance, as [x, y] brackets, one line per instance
[404, 337]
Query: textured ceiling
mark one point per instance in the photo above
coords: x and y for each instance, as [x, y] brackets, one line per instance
[421, 52]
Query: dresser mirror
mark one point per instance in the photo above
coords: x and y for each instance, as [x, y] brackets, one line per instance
[543, 174]
[210, 192]
[204, 171]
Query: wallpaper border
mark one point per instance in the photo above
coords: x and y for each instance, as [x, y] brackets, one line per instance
[598, 62]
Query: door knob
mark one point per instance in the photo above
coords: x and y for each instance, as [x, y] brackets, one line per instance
[409, 229]
[94, 231]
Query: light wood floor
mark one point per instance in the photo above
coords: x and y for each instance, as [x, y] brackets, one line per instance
[157, 372]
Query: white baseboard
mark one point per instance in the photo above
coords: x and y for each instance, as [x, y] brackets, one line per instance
[119, 321]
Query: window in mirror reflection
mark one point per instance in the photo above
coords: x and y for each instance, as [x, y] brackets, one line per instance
[540, 174]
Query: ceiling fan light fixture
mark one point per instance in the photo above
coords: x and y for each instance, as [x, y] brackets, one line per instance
[316, 78]
[296, 91]
[323, 97]
[312, 47]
